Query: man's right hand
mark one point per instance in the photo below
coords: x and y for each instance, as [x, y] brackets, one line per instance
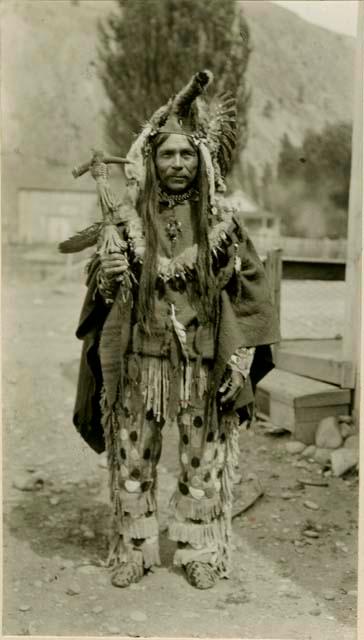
[113, 264]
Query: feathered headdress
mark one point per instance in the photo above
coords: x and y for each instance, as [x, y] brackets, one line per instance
[211, 126]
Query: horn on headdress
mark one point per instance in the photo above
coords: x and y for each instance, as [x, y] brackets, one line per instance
[213, 123]
[196, 86]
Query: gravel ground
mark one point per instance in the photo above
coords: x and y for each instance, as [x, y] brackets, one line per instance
[284, 584]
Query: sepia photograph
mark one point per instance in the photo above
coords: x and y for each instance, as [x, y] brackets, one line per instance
[181, 196]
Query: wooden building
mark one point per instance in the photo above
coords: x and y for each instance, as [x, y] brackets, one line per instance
[258, 221]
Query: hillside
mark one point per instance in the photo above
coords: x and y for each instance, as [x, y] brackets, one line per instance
[305, 71]
[52, 100]
[52, 97]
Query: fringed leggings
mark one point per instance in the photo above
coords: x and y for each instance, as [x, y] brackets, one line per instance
[201, 505]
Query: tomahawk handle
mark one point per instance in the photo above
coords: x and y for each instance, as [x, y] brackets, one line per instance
[98, 156]
[80, 170]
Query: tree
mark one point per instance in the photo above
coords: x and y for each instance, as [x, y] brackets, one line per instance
[316, 176]
[252, 183]
[149, 50]
[328, 161]
[288, 161]
[267, 187]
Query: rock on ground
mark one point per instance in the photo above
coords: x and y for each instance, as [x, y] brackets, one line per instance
[328, 435]
[309, 451]
[295, 447]
[352, 442]
[322, 456]
[311, 505]
[343, 459]
[346, 430]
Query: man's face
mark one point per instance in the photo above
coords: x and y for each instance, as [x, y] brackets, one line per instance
[176, 162]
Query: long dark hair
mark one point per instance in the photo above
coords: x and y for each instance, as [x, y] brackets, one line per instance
[148, 210]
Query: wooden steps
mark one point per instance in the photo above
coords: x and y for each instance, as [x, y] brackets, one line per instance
[317, 359]
[298, 403]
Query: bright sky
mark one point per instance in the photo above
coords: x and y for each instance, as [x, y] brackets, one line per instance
[337, 15]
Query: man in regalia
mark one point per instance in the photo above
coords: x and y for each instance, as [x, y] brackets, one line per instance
[176, 326]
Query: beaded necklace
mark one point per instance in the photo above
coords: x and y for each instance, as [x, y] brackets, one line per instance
[171, 199]
[173, 227]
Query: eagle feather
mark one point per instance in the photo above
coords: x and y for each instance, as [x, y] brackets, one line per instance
[82, 239]
[221, 131]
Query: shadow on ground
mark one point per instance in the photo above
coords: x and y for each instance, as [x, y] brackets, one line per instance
[76, 528]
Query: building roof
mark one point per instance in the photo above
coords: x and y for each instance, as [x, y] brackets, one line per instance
[248, 207]
[241, 200]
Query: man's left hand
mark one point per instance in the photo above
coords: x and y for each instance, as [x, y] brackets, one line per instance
[231, 387]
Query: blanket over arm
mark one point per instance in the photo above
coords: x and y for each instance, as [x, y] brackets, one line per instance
[247, 316]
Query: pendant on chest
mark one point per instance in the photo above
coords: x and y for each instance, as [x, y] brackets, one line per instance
[173, 229]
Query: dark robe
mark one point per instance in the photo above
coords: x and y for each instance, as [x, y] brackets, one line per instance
[247, 318]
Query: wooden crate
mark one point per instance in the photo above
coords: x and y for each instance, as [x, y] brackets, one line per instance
[298, 403]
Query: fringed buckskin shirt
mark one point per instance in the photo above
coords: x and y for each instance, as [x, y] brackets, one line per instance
[246, 316]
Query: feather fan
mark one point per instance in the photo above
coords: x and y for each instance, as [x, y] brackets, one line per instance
[82, 239]
[221, 130]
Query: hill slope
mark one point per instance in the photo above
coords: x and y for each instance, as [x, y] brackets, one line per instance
[301, 75]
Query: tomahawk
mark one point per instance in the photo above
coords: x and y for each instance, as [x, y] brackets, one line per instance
[104, 234]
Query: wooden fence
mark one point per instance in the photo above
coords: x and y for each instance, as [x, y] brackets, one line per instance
[301, 247]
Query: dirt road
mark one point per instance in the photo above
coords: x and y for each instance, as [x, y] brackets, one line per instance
[285, 584]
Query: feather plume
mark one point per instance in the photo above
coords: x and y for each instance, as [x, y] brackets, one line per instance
[221, 132]
[81, 240]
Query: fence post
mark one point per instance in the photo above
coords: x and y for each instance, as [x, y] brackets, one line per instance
[352, 332]
[273, 268]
